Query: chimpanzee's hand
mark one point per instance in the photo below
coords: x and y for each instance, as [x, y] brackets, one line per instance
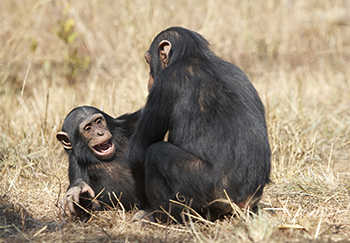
[73, 194]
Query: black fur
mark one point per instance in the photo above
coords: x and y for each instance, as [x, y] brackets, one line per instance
[112, 175]
[217, 131]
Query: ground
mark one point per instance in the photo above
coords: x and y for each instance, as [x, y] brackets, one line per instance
[56, 55]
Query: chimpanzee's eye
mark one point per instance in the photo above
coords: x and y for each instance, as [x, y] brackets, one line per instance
[99, 121]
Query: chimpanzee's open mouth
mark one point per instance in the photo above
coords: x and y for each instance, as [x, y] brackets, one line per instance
[105, 148]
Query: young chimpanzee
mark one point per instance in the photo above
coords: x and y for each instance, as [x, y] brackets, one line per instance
[217, 135]
[96, 144]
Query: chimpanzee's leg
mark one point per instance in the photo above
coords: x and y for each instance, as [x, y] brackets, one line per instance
[172, 173]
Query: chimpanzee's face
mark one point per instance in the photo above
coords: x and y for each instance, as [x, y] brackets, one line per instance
[98, 137]
[151, 78]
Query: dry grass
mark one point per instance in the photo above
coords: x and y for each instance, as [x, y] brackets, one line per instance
[56, 55]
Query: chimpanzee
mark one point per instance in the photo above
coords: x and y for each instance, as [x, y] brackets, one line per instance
[217, 135]
[96, 144]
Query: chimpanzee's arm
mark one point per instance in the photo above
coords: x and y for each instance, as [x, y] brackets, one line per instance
[154, 121]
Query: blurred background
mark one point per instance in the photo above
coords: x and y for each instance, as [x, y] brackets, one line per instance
[59, 54]
[55, 55]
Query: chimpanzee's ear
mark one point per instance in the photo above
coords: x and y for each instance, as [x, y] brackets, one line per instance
[164, 50]
[63, 138]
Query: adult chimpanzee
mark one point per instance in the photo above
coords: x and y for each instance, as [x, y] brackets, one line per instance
[217, 136]
[96, 144]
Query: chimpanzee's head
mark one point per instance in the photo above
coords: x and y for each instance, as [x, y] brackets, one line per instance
[86, 134]
[172, 45]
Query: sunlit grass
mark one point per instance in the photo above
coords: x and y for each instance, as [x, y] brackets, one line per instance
[56, 55]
